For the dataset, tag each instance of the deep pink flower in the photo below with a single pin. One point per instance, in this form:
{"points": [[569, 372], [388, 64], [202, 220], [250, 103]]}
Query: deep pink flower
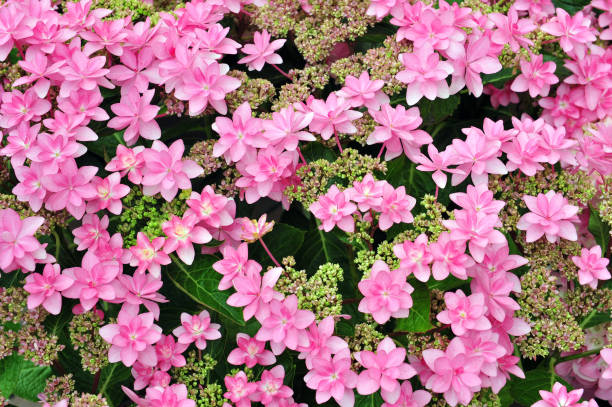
{"points": [[20, 108], [37, 65], [395, 206], [454, 372], [591, 266], [165, 170], [52, 150], [82, 72], [283, 323], [380, 8], [464, 313], [170, 353], [449, 257], [239, 389], [409, 398], [141, 289], [363, 92], [214, 210], [92, 281], [398, 131], [198, 329], [415, 257], [109, 192], [254, 292], [20, 142], [333, 377], [475, 228], [511, 30], [148, 255], [137, 114], [19, 248], [13, 27], [262, 51], [70, 188], [438, 162], [270, 388], [476, 157], [424, 74], [559, 397], [435, 29], [109, 34], [332, 115], [476, 60], [386, 293], [334, 209], [129, 161], [500, 97], [254, 229], [132, 73], [367, 193], [92, 231], [182, 233], [235, 263], [132, 337], [250, 352], [323, 343], [383, 369], [551, 215], [478, 199], [286, 129], [238, 136], [30, 187], [175, 395], [44, 289], [536, 76], [575, 32], [496, 287]]}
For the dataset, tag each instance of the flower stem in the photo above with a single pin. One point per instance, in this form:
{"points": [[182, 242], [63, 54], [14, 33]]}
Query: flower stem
{"points": [[381, 150], [96, 381], [302, 156], [579, 355], [159, 116], [269, 253], [285, 74], [338, 140]]}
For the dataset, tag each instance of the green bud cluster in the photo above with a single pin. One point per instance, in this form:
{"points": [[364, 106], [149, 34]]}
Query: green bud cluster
{"points": [[84, 335]]}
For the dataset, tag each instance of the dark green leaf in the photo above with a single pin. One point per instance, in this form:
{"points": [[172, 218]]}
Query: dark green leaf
{"points": [[320, 248], [22, 378], [600, 230], [373, 400], [526, 391], [500, 78], [571, 6], [200, 282], [111, 379], [449, 283], [419, 318], [401, 171], [284, 240], [595, 318], [10, 367], [434, 111]]}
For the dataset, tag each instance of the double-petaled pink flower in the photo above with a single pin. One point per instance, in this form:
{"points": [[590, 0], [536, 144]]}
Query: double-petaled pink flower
{"points": [[551, 215], [45, 288], [262, 51], [591, 266], [198, 329], [464, 313], [19, 248], [334, 209]]}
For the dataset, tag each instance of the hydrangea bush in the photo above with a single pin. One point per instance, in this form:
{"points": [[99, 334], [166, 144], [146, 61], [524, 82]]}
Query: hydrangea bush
{"points": [[289, 203]]}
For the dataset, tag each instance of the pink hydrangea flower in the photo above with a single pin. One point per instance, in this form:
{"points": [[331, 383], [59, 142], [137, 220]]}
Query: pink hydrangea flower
{"points": [[332, 116], [262, 51], [438, 162], [476, 60], [536, 76], [82, 72], [70, 188], [464, 313], [109, 192], [333, 377], [235, 263], [363, 92], [476, 157], [386, 293], [511, 30], [92, 231], [250, 352], [500, 97], [19, 248], [454, 372], [254, 229], [395, 206], [380, 8], [496, 288], [198, 329], [449, 257], [270, 388], [165, 170], [132, 337], [169, 353], [606, 355], [213, 210], [323, 343], [591, 266], [254, 292], [181, 234], [20, 143], [141, 289], [334, 209], [367, 193], [132, 74], [559, 397], [383, 369], [415, 257], [575, 31], [239, 389], [283, 323], [128, 161], [148, 255], [17, 108], [238, 136], [551, 215], [286, 129], [45, 288], [136, 115], [175, 395], [409, 398], [424, 74]]}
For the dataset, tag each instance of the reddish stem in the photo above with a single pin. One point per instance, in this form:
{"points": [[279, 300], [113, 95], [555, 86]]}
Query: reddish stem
{"points": [[285, 74], [269, 253], [381, 150], [159, 116], [302, 156], [436, 197], [337, 140], [246, 12], [550, 41]]}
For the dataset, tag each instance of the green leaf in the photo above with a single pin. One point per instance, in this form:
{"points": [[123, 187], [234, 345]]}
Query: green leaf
{"points": [[571, 6], [594, 319], [600, 230], [434, 111], [401, 171], [200, 282], [526, 391], [449, 283], [22, 378], [111, 379], [419, 318], [373, 400], [284, 240], [500, 78], [319, 248]]}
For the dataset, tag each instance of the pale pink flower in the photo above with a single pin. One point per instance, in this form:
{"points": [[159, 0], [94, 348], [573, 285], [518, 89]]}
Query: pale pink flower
{"points": [[148, 255], [182, 233], [606, 355], [262, 51], [214, 41], [409, 398], [323, 343], [478, 199], [380, 8], [166, 171], [551, 215], [496, 287], [30, 187], [206, 85], [13, 27], [92, 281], [524, 153], [283, 323], [449, 257], [575, 31], [19, 248], [398, 131], [45, 288], [175, 395], [559, 397], [395, 206], [170, 353], [106, 34], [454, 372], [383, 369], [592, 72], [92, 231], [537, 9], [511, 30], [464, 313], [132, 337], [128, 161], [591, 266], [332, 116], [334, 209], [415, 257], [438, 162], [109, 192], [468, 67], [363, 92], [475, 228], [536, 76], [198, 329], [386, 293], [250, 352], [424, 74], [136, 115], [141, 289], [239, 389], [254, 292], [270, 388], [70, 188], [132, 73], [214, 210], [437, 30], [20, 108], [235, 263], [286, 129], [500, 97], [238, 136], [82, 72], [476, 157], [254, 229], [333, 377], [558, 146], [367, 193]]}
